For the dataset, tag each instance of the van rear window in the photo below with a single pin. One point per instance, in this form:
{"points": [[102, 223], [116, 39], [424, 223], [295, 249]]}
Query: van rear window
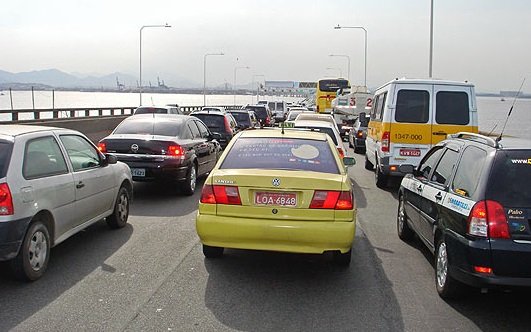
{"points": [[281, 153], [510, 179], [412, 106], [452, 108]]}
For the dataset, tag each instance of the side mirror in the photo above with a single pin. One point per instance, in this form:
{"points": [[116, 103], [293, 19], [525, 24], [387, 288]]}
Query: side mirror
{"points": [[406, 168], [349, 161], [109, 159], [216, 136]]}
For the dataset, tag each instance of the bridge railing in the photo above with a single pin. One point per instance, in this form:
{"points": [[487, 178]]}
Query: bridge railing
{"points": [[41, 115]]}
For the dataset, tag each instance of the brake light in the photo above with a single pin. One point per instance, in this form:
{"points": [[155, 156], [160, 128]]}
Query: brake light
{"points": [[267, 120], [228, 129], [175, 150], [102, 147], [341, 152], [338, 200], [6, 200], [360, 133], [228, 195], [385, 141], [483, 269], [487, 219]]}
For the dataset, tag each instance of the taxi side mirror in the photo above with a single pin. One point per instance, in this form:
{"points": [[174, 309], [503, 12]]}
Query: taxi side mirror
{"points": [[349, 161]]}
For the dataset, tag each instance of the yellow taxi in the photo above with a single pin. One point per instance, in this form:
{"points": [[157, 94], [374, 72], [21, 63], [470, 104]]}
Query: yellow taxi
{"points": [[279, 190]]}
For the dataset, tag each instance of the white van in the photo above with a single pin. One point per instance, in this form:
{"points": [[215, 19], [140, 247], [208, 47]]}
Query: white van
{"points": [[279, 109], [408, 116]]}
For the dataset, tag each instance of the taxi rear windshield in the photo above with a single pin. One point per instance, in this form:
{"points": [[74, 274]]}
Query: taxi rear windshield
{"points": [[510, 179], [281, 153]]}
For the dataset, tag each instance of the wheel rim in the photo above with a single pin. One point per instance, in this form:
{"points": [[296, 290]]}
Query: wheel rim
{"points": [[123, 207], [38, 250], [442, 265], [192, 178], [401, 215]]}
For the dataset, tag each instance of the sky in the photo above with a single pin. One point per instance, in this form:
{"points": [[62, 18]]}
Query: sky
{"points": [[486, 42]]}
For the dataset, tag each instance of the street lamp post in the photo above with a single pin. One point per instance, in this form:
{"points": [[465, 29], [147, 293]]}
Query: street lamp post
{"points": [[140, 55], [234, 82], [365, 31], [348, 63], [204, 74], [336, 68], [431, 39], [254, 76]]}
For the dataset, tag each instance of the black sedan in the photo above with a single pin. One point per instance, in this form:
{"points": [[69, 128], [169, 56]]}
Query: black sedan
{"points": [[164, 147]]}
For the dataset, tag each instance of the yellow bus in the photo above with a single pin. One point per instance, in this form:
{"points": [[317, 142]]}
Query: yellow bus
{"points": [[326, 90]]}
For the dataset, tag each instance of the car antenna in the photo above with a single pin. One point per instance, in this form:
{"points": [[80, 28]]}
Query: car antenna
{"points": [[510, 111]]}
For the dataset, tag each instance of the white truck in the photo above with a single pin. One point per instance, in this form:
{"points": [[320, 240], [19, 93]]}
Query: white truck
{"points": [[348, 105]]}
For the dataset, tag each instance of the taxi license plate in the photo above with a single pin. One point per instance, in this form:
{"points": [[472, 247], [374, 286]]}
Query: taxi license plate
{"points": [[269, 198], [410, 152], [140, 172]]}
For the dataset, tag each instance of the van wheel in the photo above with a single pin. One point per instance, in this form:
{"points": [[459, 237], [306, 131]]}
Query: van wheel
{"points": [[447, 287], [381, 178], [32, 259], [405, 233], [368, 165]]}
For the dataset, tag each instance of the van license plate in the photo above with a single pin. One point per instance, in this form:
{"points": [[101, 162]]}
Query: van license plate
{"points": [[410, 152], [269, 198], [140, 172]]}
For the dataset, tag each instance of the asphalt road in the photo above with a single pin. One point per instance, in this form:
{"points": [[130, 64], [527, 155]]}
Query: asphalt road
{"points": [[152, 275]]}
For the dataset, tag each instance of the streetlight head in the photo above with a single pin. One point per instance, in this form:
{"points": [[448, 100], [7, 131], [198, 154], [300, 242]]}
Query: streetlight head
{"points": [[337, 27]]}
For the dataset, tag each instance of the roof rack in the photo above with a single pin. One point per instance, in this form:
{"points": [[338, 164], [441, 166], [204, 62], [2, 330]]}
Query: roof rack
{"points": [[476, 137]]}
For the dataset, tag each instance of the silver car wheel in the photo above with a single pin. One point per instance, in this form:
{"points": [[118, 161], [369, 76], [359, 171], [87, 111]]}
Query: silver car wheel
{"points": [[442, 265], [38, 249], [401, 215], [123, 207], [193, 178]]}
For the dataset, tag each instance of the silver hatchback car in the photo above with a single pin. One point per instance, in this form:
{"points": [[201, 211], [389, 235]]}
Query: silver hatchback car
{"points": [[54, 183]]}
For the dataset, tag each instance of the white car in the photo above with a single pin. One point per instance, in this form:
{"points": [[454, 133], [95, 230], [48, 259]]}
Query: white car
{"points": [[325, 127], [312, 116], [54, 183]]}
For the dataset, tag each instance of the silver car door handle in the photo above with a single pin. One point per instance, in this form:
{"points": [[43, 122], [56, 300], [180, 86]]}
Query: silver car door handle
{"points": [[438, 196], [80, 185], [419, 188]]}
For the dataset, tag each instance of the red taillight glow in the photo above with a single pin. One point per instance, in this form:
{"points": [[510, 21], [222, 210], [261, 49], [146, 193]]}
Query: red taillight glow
{"points": [[359, 133], [228, 129], [267, 121], [483, 269], [175, 150], [229, 195], [102, 147], [338, 200], [487, 219], [341, 152], [6, 200], [385, 141]]}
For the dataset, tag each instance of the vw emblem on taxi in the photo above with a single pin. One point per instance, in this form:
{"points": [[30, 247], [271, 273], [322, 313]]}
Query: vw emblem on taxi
{"points": [[274, 211], [276, 182], [134, 148]]}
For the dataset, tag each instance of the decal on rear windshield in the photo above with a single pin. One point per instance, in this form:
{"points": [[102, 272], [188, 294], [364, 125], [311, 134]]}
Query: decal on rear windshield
{"points": [[521, 161]]}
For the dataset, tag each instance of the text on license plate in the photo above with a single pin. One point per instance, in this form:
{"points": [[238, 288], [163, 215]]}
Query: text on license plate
{"points": [[410, 152], [138, 172], [269, 198]]}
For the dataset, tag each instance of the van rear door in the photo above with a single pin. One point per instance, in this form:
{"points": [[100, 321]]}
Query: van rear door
{"points": [[455, 111]]}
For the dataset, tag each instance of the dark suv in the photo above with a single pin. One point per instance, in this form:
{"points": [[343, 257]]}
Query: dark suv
{"points": [[263, 114], [218, 122], [469, 201]]}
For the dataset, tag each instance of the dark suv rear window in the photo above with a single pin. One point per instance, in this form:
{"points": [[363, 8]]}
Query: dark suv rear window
{"points": [[241, 117], [260, 112], [5, 155], [510, 178], [215, 122], [281, 153], [452, 108], [412, 106]]}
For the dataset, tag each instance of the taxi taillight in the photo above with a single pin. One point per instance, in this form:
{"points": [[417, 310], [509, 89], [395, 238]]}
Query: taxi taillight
{"points": [[341, 153], [487, 219], [213, 194], [330, 199]]}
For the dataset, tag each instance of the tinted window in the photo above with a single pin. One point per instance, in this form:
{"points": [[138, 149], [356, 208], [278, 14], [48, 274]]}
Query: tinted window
{"points": [[412, 106], [242, 118], [332, 85], [429, 161], [292, 115], [149, 110], [452, 108], [82, 154], [216, 123], [510, 179], [445, 167], [145, 127], [326, 130], [43, 157], [194, 129], [202, 129], [469, 171], [281, 153], [260, 112], [5, 154]]}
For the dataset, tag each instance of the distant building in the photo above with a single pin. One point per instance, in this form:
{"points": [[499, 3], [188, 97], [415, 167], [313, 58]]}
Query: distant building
{"points": [[289, 87]]}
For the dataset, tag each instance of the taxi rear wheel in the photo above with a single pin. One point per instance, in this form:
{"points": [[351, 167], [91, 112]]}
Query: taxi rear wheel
{"points": [[212, 252], [342, 259], [380, 177], [447, 287], [368, 165], [405, 233]]}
